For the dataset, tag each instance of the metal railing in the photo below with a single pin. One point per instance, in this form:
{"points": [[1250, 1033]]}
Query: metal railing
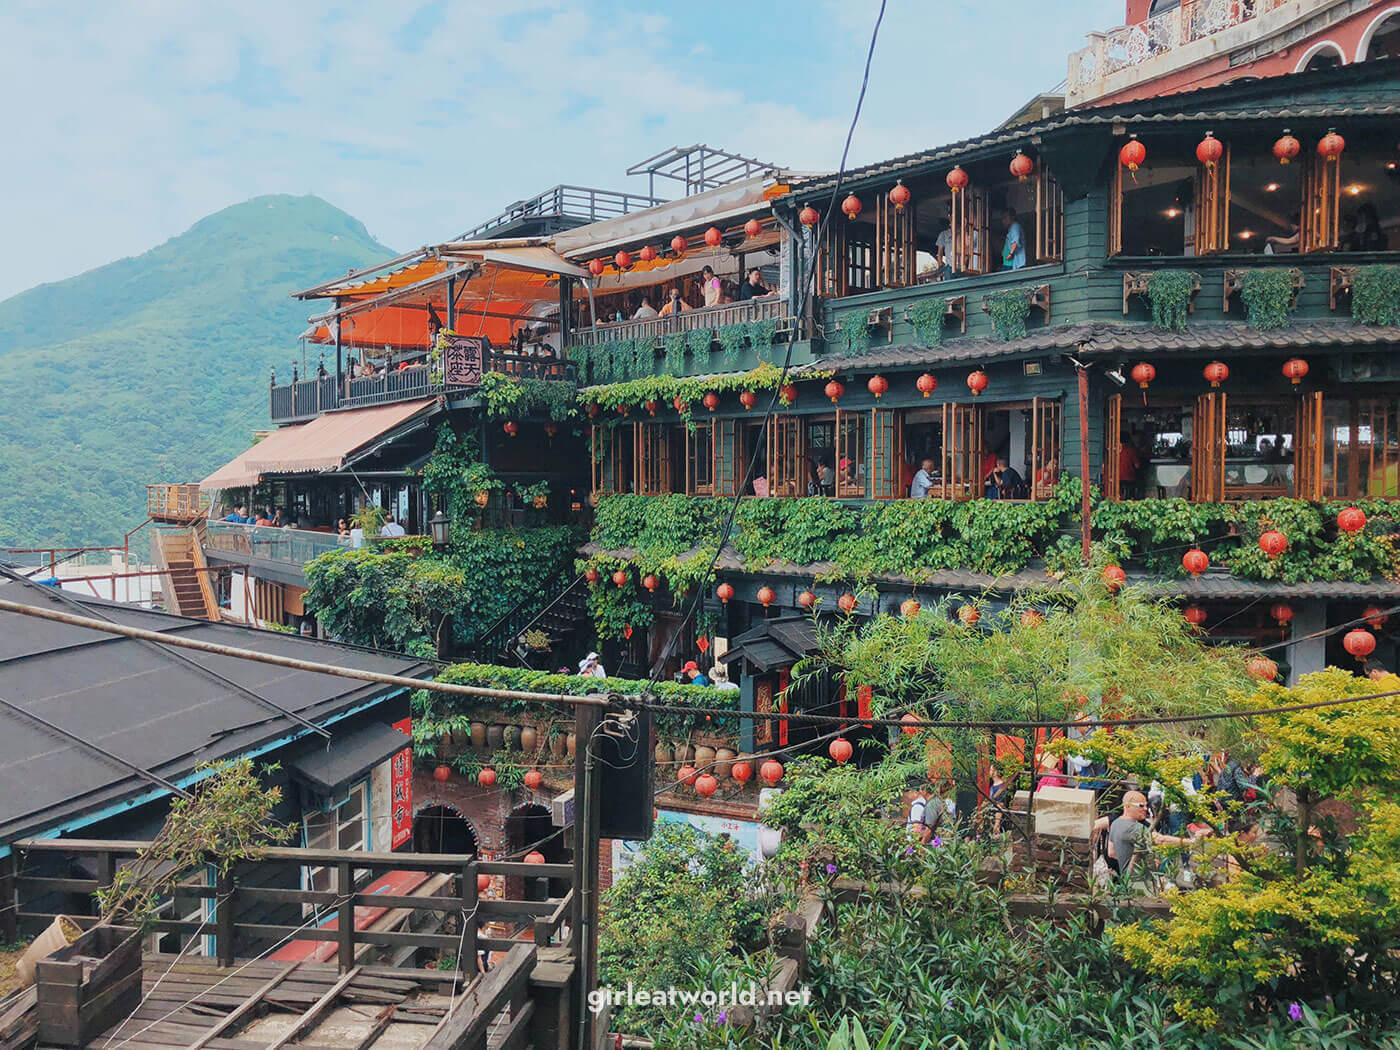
{"points": [[711, 317], [575, 202]]}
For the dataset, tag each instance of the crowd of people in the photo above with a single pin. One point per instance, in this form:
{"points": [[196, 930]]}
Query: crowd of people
{"points": [[705, 290]]}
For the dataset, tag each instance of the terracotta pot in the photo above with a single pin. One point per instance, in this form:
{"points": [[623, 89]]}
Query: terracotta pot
{"points": [[557, 745], [461, 738], [724, 762], [704, 756], [684, 752], [529, 739], [511, 737], [663, 755], [572, 744], [495, 737], [478, 735], [540, 502]]}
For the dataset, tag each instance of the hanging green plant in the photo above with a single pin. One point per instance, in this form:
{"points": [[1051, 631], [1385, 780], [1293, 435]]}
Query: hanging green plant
{"points": [[927, 316], [1375, 295], [855, 334], [1268, 297], [578, 354], [625, 359], [1008, 310], [602, 363], [698, 341], [761, 333], [673, 347], [1169, 292], [516, 397], [731, 340]]}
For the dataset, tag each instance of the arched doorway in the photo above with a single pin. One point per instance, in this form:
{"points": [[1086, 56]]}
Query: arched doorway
{"points": [[1382, 37], [441, 829], [1322, 55], [528, 828]]}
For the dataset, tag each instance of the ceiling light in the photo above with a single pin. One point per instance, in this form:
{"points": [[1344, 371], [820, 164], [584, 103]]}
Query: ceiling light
{"points": [[1271, 188], [1246, 234], [1355, 189], [1172, 213]]}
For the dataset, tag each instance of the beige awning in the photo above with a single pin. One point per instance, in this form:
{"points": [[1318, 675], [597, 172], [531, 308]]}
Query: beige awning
{"points": [[323, 444]]}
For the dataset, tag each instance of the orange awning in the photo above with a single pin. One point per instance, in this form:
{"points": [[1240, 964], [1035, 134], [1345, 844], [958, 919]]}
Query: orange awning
{"points": [[323, 444]]}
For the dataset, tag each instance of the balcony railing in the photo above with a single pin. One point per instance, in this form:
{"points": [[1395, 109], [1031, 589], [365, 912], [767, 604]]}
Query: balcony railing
{"points": [[292, 546], [712, 317], [308, 398], [577, 202], [175, 502]]}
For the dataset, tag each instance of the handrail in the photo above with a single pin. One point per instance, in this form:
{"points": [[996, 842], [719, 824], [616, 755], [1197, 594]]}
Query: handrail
{"points": [[491, 640]]}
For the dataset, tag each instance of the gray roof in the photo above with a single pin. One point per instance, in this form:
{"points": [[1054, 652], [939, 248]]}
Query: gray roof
{"points": [[138, 701]]}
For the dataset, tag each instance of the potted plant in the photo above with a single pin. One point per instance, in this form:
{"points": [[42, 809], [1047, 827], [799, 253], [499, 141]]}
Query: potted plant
{"points": [[370, 519], [536, 495]]}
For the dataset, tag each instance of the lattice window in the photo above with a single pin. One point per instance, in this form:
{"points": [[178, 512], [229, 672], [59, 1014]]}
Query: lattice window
{"points": [[1322, 189], [1049, 217], [972, 233], [962, 452], [1213, 206], [887, 454], [850, 455], [1112, 447], [785, 455], [1208, 446], [700, 459], [1046, 418]]}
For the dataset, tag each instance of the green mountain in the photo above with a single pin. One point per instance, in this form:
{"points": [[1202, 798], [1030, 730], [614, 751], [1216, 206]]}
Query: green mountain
{"points": [[155, 368]]}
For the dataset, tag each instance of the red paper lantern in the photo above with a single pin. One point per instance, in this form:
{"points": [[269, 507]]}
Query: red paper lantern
{"points": [[1133, 155], [651, 406], [620, 577], [851, 206], [1021, 166], [680, 404], [1114, 577], [596, 267], [533, 779], [1209, 150], [910, 729], [592, 575], [847, 603], [1353, 519], [710, 401], [787, 394], [724, 592], [551, 429], [622, 410], [977, 382], [1216, 373], [486, 777], [752, 228], [1374, 617], [1032, 618], [1143, 374], [442, 774], [878, 385], [900, 195], [1261, 667], [834, 390], [678, 244], [686, 774], [1273, 543], [1286, 148], [1195, 561], [808, 216], [623, 260], [1295, 368], [1359, 643], [969, 615], [534, 857], [741, 771], [1330, 146], [647, 254], [1282, 612], [748, 399], [706, 785], [910, 608], [592, 411], [483, 883], [841, 750], [956, 179], [766, 597], [650, 582], [511, 428], [806, 600], [713, 237], [1194, 615], [771, 771], [927, 384]]}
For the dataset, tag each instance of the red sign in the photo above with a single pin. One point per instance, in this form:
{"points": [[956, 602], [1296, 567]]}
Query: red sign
{"points": [[401, 785]]}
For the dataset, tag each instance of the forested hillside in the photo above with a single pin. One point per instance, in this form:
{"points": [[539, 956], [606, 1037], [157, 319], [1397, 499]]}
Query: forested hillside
{"points": [[155, 368]]}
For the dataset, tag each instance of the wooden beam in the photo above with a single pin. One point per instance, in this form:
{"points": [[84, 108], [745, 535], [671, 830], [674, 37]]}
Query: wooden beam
{"points": [[314, 1014], [381, 1023], [249, 1004]]}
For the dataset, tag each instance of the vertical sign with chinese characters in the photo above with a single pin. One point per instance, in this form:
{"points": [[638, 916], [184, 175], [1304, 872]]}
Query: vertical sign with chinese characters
{"points": [[401, 788], [463, 357]]}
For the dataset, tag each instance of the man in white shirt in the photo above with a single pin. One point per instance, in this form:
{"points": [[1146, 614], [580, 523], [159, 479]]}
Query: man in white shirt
{"points": [[943, 252], [392, 530], [645, 312], [923, 480]]}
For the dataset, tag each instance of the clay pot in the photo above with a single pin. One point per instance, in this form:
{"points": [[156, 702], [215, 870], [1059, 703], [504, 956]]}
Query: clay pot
{"points": [[529, 739], [557, 745], [684, 752], [495, 737], [511, 737], [724, 762], [704, 756], [663, 754], [461, 738], [540, 502], [572, 744], [478, 735]]}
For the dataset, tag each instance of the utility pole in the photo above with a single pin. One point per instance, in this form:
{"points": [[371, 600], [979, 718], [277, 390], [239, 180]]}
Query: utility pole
{"points": [[1084, 502], [587, 718]]}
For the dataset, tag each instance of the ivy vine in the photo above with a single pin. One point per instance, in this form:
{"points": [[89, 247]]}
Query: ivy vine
{"points": [[854, 333], [698, 341], [761, 335], [578, 354], [1169, 292], [521, 397], [731, 340], [664, 389], [1008, 310], [673, 347], [1268, 297], [927, 316], [1375, 295]]}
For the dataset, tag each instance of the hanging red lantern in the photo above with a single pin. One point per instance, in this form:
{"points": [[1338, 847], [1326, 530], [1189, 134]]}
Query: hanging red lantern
{"points": [[1133, 155], [969, 615], [752, 228], [806, 600], [442, 774], [1194, 615], [1261, 667], [911, 724], [1114, 577], [1359, 643], [1195, 561], [592, 575], [483, 883], [510, 428], [1374, 617], [1286, 148], [706, 785], [1021, 166], [686, 774], [680, 404], [1295, 368], [651, 406], [1281, 612], [847, 603], [956, 179], [1209, 150], [622, 410], [748, 399], [533, 779], [1273, 543], [534, 857], [808, 216], [927, 384], [486, 777], [1330, 146], [713, 237], [877, 385], [977, 382], [623, 260], [1353, 519], [647, 254], [1032, 618], [787, 394], [834, 390], [766, 597], [851, 206], [841, 750], [771, 771], [620, 577], [551, 429], [593, 411], [1216, 373], [710, 401], [910, 608], [679, 244], [724, 592], [900, 195], [741, 771], [596, 267], [1143, 374], [650, 582]]}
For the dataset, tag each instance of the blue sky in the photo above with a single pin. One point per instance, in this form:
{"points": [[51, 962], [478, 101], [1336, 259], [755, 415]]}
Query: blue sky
{"points": [[130, 120]]}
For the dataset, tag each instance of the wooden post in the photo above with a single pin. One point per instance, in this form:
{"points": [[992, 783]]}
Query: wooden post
{"points": [[345, 887], [586, 722], [466, 962], [9, 900], [223, 919], [1085, 509]]}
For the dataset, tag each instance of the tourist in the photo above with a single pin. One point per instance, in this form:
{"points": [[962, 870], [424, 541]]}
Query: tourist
{"points": [[1128, 466], [1047, 476], [342, 529], [996, 798], [753, 287], [1013, 252], [279, 520], [645, 312], [591, 667], [826, 478], [719, 676], [692, 671], [674, 304], [1369, 235], [391, 530], [1129, 834], [943, 251], [1050, 775], [238, 515], [1004, 482], [922, 484], [710, 285], [926, 811], [264, 517]]}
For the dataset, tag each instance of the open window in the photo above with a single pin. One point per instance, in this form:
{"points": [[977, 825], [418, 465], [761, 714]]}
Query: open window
{"points": [[887, 473], [1113, 448], [785, 461], [1173, 205], [961, 468], [1368, 195], [1047, 415], [700, 459], [658, 469], [851, 445], [613, 458], [1361, 448]]}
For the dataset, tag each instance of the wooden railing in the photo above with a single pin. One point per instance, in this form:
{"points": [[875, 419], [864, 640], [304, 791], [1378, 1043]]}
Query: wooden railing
{"points": [[712, 317], [175, 502]]}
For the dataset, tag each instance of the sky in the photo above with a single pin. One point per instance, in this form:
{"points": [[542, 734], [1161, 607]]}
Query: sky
{"points": [[128, 121]]}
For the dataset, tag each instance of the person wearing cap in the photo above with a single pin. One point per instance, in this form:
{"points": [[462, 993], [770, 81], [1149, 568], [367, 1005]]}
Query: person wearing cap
{"points": [[692, 671]]}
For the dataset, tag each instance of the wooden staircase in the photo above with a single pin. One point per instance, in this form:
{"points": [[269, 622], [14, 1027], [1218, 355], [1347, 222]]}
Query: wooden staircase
{"points": [[186, 586]]}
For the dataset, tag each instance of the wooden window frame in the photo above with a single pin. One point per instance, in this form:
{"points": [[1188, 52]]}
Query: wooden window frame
{"points": [[694, 485], [727, 472], [1049, 217], [896, 250], [1047, 441], [1208, 448], [970, 212], [1320, 230], [785, 433], [652, 458], [886, 453], [963, 429], [1308, 447], [845, 446], [1213, 205]]}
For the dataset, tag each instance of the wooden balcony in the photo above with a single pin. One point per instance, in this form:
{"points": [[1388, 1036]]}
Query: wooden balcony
{"points": [[712, 317], [177, 503]]}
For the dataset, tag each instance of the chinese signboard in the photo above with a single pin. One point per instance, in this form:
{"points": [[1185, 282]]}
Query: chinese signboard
{"points": [[462, 359], [401, 790], [743, 833]]}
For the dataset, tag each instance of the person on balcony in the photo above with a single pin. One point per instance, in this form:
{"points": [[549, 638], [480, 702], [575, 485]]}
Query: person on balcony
{"points": [[646, 311], [943, 251], [1004, 481], [693, 674], [674, 305], [392, 530], [922, 484], [238, 515], [1013, 252], [753, 287], [710, 285]]}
